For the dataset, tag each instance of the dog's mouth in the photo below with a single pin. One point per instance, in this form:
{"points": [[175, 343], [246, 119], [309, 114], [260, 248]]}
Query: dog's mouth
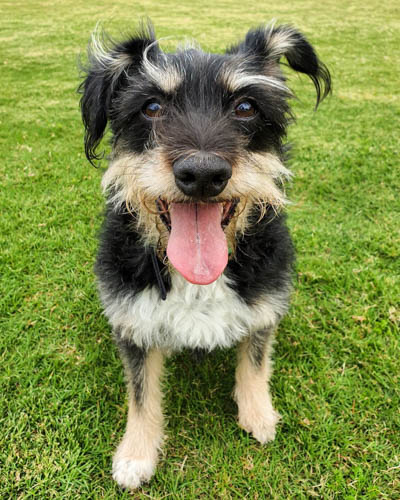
{"points": [[197, 245], [228, 209]]}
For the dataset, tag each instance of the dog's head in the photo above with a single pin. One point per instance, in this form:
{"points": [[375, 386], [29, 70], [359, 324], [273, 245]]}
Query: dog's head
{"points": [[197, 137]]}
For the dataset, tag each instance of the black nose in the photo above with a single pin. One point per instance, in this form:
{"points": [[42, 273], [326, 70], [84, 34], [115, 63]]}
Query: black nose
{"points": [[202, 175]]}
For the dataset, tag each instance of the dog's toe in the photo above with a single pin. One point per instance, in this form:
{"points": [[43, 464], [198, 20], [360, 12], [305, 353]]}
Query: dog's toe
{"points": [[262, 425], [130, 473]]}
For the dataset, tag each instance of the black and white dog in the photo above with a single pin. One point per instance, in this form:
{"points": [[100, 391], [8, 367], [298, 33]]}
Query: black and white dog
{"points": [[194, 251]]}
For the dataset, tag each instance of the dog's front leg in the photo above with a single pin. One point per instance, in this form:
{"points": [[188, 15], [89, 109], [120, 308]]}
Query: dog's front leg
{"points": [[256, 413], [136, 457]]}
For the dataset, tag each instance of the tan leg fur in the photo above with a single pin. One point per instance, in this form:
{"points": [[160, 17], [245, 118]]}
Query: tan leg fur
{"points": [[136, 457], [256, 413]]}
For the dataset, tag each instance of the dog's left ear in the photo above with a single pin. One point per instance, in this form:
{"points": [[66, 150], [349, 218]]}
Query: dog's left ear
{"points": [[269, 44]]}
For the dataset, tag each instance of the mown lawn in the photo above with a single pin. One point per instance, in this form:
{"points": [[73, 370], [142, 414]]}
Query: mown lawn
{"points": [[336, 380]]}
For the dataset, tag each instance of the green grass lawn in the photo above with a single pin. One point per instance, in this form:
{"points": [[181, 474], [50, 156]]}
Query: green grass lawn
{"points": [[336, 379]]}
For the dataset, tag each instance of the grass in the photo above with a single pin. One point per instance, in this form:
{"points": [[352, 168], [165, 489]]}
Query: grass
{"points": [[336, 379]]}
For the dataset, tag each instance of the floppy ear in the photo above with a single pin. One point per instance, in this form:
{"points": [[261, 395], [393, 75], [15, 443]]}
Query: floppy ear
{"points": [[107, 72], [268, 44]]}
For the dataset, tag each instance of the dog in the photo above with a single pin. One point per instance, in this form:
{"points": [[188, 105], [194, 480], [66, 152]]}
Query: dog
{"points": [[194, 251]]}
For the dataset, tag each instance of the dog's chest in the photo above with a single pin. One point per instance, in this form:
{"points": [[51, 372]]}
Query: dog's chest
{"points": [[192, 316]]}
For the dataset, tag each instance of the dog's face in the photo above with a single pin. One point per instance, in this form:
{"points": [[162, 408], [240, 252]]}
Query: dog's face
{"points": [[197, 137]]}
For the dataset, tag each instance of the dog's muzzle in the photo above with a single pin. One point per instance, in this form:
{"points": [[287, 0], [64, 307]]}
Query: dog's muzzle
{"points": [[202, 175]]}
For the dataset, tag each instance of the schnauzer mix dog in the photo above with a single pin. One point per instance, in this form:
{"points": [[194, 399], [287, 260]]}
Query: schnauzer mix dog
{"points": [[195, 252]]}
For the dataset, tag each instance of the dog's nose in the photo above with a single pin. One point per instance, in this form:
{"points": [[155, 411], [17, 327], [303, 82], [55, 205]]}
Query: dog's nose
{"points": [[202, 175]]}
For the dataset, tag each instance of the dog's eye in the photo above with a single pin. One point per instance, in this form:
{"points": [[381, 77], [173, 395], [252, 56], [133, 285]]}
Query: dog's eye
{"points": [[152, 109], [245, 110]]}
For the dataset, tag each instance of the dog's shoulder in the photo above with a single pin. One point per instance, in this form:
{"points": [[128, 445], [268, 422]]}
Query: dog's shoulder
{"points": [[264, 258], [124, 262]]}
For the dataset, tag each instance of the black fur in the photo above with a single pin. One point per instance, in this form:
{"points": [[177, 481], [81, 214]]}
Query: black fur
{"points": [[258, 341], [134, 358], [123, 262], [263, 259]]}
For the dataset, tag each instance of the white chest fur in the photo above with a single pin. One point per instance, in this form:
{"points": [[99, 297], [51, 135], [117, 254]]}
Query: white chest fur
{"points": [[192, 316]]}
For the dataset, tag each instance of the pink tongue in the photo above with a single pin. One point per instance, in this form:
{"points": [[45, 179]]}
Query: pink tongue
{"points": [[197, 245]]}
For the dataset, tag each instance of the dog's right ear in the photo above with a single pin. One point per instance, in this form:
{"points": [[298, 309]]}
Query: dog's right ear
{"points": [[109, 66]]}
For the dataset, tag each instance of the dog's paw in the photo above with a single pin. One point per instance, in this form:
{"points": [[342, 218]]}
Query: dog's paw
{"points": [[260, 423], [130, 473]]}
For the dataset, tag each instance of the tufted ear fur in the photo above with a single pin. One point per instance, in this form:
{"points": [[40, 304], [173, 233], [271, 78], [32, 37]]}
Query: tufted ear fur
{"points": [[109, 66], [269, 43]]}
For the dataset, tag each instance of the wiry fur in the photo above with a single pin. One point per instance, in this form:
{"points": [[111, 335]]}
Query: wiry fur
{"points": [[203, 127]]}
